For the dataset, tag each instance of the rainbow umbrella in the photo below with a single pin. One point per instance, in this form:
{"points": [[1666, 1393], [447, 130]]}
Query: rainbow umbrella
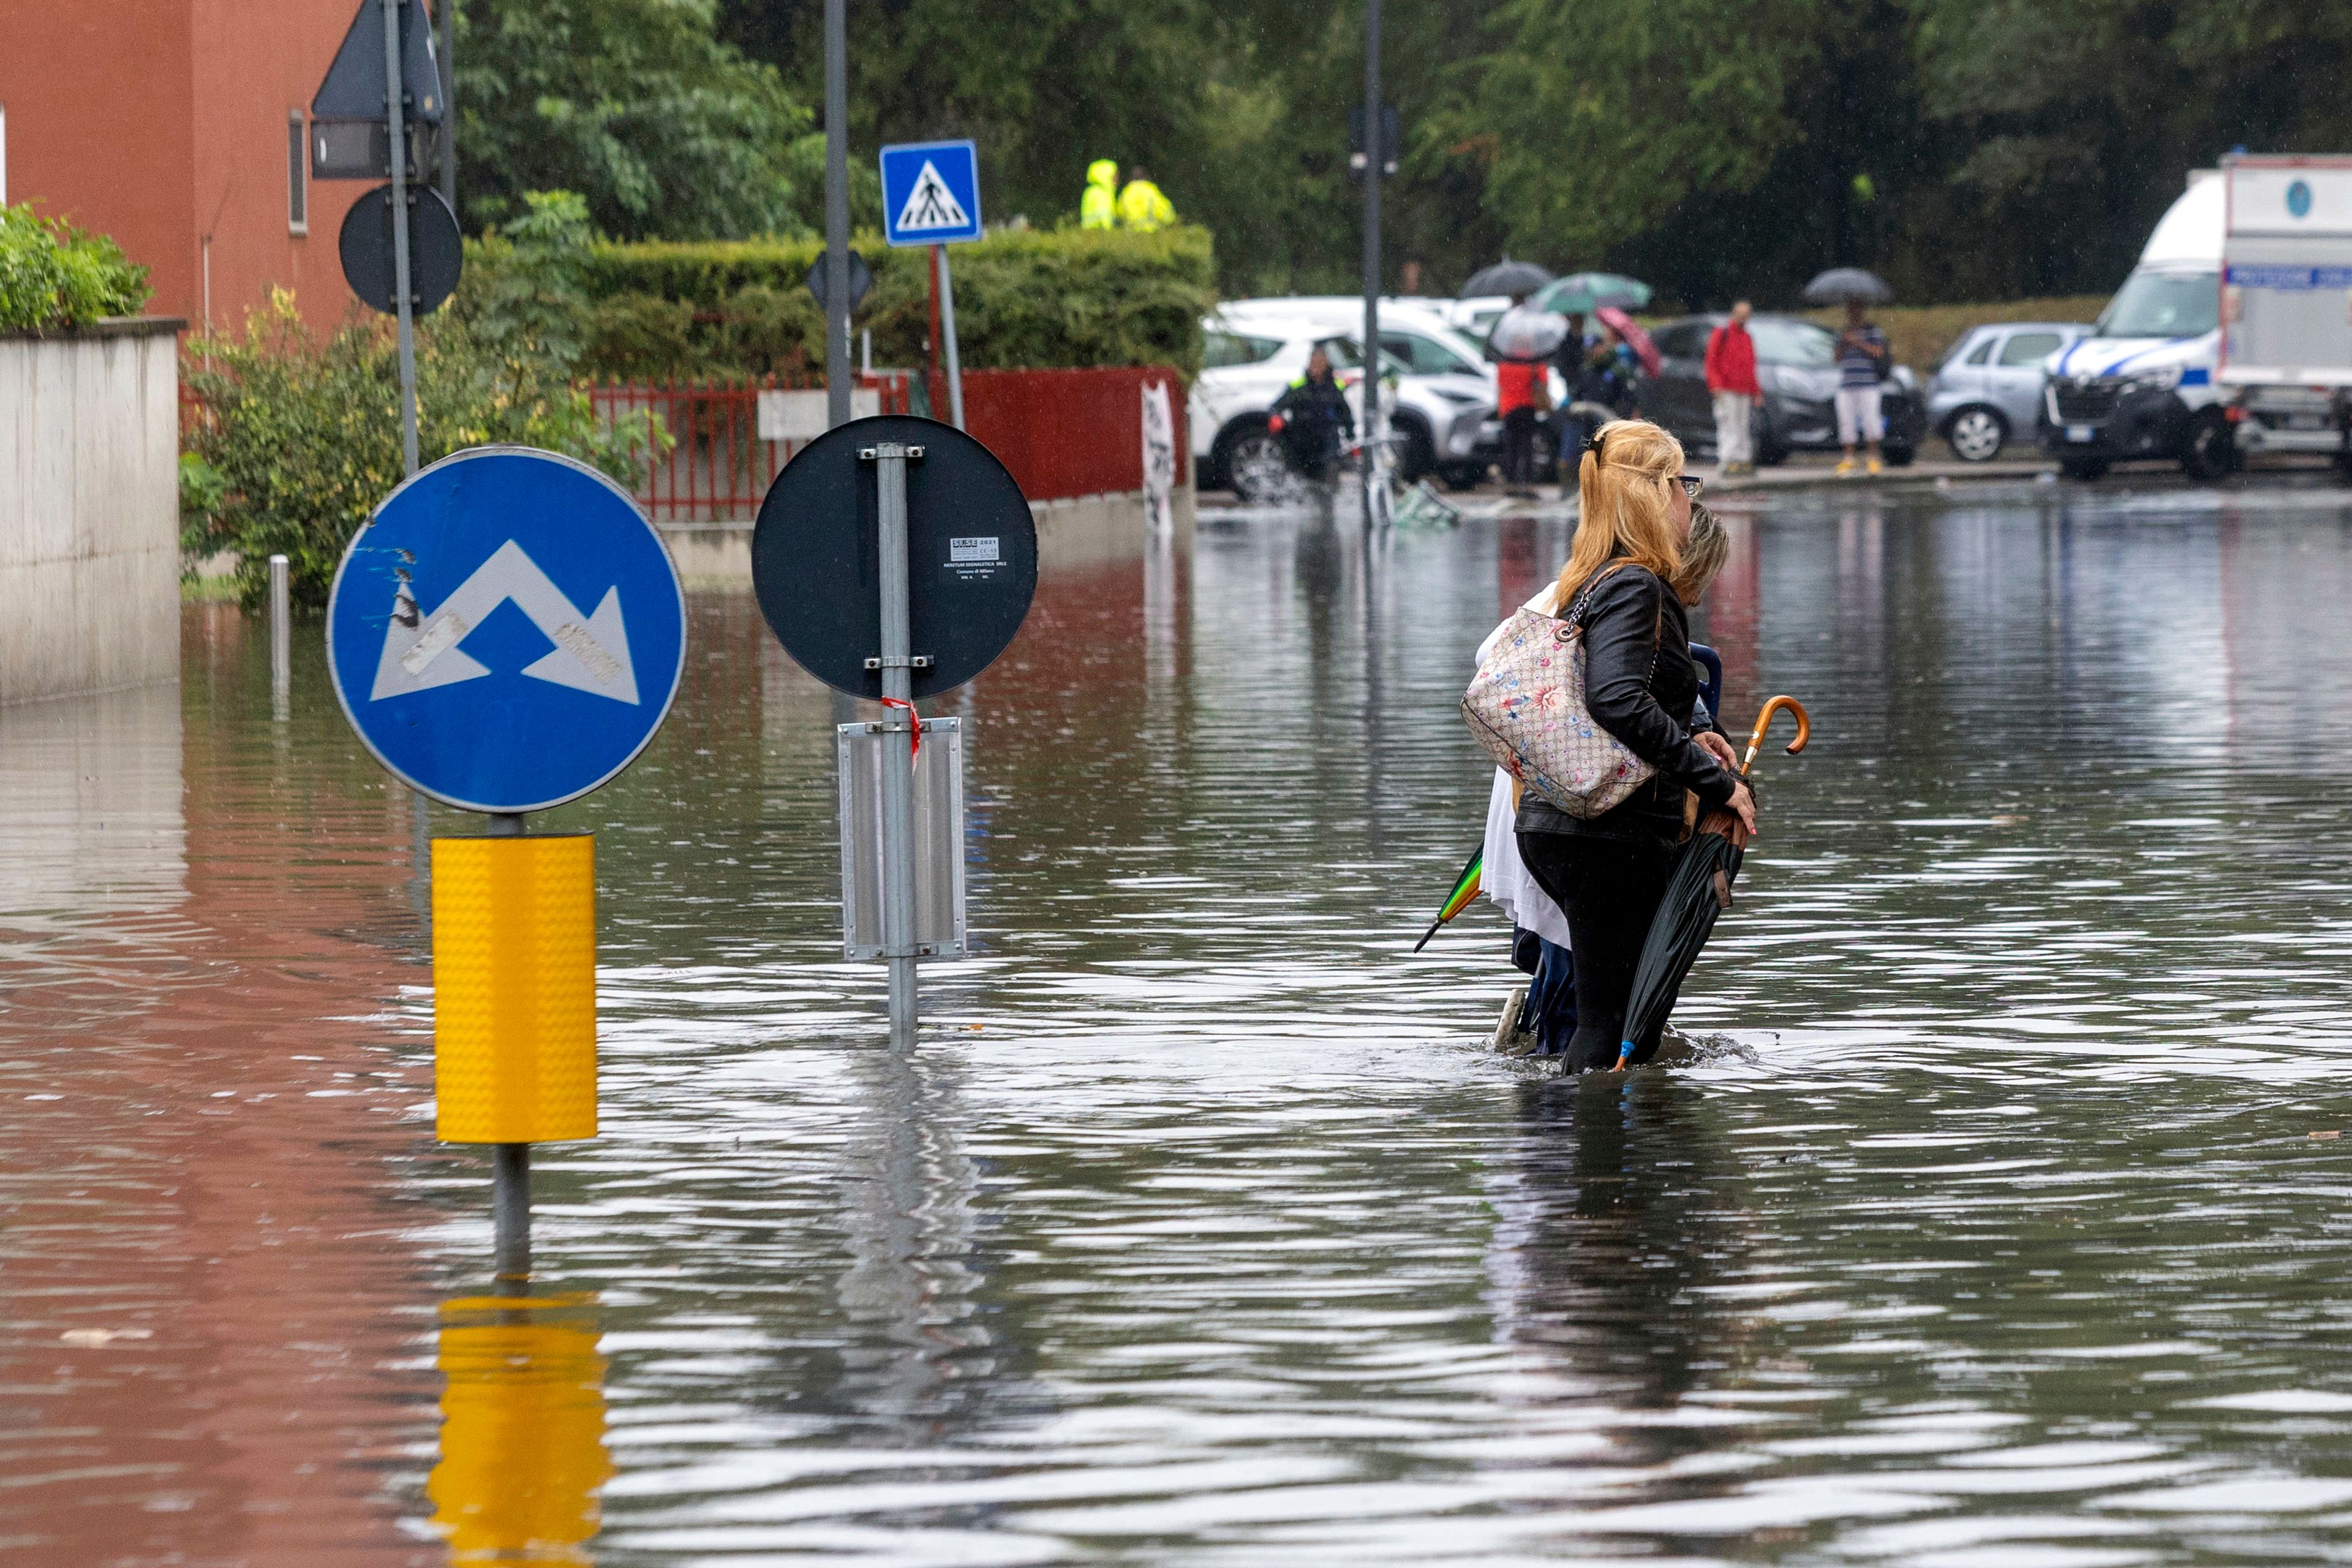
{"points": [[1465, 889]]}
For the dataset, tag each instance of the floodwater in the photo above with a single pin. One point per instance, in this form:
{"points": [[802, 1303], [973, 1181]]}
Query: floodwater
{"points": [[1997, 1215]]}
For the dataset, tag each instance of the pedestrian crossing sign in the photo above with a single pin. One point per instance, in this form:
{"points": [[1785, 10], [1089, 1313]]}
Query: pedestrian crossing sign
{"points": [[930, 193]]}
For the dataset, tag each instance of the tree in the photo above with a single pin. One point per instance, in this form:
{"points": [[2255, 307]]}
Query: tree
{"points": [[669, 132]]}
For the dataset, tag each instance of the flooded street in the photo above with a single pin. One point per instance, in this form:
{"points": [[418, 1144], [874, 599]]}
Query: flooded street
{"points": [[1997, 1213]]}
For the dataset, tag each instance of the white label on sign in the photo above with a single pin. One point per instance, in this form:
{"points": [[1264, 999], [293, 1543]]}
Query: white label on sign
{"points": [[931, 205], [963, 552], [800, 416]]}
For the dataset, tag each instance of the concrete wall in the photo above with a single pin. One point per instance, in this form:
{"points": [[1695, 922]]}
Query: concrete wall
{"points": [[1084, 531], [90, 509]]}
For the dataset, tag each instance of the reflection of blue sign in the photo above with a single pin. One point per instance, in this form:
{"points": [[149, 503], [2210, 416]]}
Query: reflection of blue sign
{"points": [[2298, 198], [930, 193], [507, 633]]}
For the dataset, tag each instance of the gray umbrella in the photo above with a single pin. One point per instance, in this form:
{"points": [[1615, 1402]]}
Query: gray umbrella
{"points": [[1506, 277], [1525, 335], [1848, 286]]}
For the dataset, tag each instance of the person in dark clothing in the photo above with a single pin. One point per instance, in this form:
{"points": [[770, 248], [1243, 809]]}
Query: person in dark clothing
{"points": [[1309, 416], [1598, 388], [1627, 585]]}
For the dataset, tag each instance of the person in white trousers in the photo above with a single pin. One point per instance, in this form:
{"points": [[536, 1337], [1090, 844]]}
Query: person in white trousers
{"points": [[1731, 383]]}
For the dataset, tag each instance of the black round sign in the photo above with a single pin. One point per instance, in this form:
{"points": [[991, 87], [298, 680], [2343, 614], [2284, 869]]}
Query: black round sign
{"points": [[435, 251], [971, 556]]}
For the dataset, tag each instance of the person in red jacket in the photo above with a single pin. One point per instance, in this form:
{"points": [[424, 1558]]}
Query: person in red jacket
{"points": [[1731, 380]]}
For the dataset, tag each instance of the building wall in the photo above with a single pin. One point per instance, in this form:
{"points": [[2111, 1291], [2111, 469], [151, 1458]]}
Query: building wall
{"points": [[89, 510], [159, 121]]}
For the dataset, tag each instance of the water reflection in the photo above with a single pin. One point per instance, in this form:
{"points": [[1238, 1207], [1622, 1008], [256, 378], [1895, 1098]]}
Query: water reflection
{"points": [[522, 1429]]}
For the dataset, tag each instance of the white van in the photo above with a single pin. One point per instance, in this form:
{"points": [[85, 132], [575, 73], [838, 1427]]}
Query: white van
{"points": [[2142, 385], [2158, 377]]}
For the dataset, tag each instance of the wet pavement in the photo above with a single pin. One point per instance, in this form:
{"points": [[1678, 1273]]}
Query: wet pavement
{"points": [[1997, 1214]]}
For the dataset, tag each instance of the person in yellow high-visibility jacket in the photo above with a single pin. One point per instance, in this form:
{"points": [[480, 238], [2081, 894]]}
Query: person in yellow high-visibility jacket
{"points": [[1143, 207], [1098, 208]]}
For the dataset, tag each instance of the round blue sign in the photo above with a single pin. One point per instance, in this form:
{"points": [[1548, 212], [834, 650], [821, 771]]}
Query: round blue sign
{"points": [[2298, 198], [507, 632]]}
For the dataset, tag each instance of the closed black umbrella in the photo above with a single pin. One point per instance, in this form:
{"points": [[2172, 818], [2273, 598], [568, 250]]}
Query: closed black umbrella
{"points": [[1506, 277], [1848, 286], [1699, 891]]}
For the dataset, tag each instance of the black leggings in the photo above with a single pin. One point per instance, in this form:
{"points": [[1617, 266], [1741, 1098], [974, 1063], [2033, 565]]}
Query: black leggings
{"points": [[1520, 446], [1609, 890]]}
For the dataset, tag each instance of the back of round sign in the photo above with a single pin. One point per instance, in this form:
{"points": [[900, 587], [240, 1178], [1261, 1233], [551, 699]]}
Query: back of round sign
{"points": [[971, 556]]}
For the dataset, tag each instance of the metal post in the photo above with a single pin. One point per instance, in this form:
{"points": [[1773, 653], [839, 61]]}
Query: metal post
{"points": [[836, 213], [946, 331], [449, 103], [898, 762], [511, 1163], [395, 114], [281, 630], [1376, 157]]}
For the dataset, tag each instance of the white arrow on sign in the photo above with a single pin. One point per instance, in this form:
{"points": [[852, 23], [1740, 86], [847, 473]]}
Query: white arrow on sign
{"points": [[421, 651], [931, 205]]}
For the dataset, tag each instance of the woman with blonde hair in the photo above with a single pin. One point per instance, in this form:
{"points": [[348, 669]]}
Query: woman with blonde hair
{"points": [[1631, 577]]}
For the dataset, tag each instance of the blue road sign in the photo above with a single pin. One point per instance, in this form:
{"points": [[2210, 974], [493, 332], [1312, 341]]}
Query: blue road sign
{"points": [[507, 632], [930, 193]]}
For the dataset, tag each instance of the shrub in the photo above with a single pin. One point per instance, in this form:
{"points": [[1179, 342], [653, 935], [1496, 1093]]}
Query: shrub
{"points": [[54, 275], [1024, 298], [298, 439]]}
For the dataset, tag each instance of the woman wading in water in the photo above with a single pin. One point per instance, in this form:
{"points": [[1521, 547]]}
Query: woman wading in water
{"points": [[1628, 584]]}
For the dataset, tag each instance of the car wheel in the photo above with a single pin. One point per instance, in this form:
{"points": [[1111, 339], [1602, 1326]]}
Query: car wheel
{"points": [[1976, 435], [2212, 452], [2085, 468], [1416, 454], [1250, 456], [1463, 476]]}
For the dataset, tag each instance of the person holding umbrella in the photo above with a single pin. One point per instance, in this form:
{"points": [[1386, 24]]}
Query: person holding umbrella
{"points": [[1628, 585], [1864, 359], [1521, 339]]}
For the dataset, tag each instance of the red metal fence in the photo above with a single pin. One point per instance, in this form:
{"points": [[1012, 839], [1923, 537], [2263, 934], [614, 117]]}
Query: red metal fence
{"points": [[1067, 432], [720, 467]]}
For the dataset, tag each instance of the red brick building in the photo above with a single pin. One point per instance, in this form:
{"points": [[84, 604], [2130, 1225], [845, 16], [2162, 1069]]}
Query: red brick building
{"points": [[178, 127]]}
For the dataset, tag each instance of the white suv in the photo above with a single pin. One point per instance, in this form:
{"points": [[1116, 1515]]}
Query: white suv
{"points": [[1441, 390]]}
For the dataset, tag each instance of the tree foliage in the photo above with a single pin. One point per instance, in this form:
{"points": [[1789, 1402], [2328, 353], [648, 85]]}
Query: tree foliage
{"points": [[54, 275], [637, 106], [298, 438]]}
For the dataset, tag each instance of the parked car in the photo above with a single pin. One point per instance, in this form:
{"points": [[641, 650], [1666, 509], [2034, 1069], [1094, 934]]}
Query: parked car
{"points": [[1443, 392], [1796, 365], [1988, 391]]}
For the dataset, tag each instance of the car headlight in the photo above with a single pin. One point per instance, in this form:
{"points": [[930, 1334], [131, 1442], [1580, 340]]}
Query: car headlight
{"points": [[2163, 378]]}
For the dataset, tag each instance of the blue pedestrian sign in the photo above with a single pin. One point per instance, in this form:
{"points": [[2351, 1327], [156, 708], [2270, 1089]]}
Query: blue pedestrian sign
{"points": [[930, 193], [507, 632]]}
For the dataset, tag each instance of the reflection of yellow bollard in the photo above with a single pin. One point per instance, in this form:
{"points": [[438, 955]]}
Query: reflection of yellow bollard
{"points": [[514, 976], [522, 1429]]}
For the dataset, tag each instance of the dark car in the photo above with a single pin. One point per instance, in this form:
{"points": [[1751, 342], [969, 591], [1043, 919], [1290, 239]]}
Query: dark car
{"points": [[1796, 365]]}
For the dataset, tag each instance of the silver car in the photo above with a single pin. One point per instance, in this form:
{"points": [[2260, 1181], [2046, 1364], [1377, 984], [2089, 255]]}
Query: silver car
{"points": [[1988, 391]]}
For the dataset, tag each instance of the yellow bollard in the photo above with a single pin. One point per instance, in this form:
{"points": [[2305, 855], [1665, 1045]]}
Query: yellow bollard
{"points": [[514, 974], [522, 1429]]}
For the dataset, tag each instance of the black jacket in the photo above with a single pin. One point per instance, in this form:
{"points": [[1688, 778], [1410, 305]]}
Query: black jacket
{"points": [[1321, 404], [1638, 685]]}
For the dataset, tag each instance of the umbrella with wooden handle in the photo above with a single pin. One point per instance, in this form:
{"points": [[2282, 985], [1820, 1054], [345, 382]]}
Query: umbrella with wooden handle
{"points": [[1699, 891]]}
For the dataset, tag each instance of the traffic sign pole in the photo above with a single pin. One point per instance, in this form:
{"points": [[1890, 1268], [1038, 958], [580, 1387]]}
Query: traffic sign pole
{"points": [[1378, 154], [948, 334], [836, 213], [511, 1163], [890, 460], [393, 114]]}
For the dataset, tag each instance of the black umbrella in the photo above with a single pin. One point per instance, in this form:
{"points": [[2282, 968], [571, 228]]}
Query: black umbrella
{"points": [[1848, 286], [1506, 277], [1699, 891]]}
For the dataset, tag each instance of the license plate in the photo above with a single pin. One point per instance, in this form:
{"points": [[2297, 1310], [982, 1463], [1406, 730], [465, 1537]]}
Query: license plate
{"points": [[2307, 422], [2080, 433]]}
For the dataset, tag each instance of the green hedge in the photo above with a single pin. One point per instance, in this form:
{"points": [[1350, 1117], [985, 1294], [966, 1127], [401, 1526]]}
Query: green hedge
{"points": [[54, 275], [1024, 298]]}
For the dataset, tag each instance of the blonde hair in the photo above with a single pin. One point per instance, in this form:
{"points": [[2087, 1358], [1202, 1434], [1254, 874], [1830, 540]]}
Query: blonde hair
{"points": [[1624, 484], [1703, 554]]}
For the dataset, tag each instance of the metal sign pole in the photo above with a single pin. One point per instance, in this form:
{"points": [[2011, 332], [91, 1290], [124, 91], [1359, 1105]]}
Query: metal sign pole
{"points": [[836, 213], [511, 1163], [1375, 159], [898, 766], [403, 295], [948, 332]]}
